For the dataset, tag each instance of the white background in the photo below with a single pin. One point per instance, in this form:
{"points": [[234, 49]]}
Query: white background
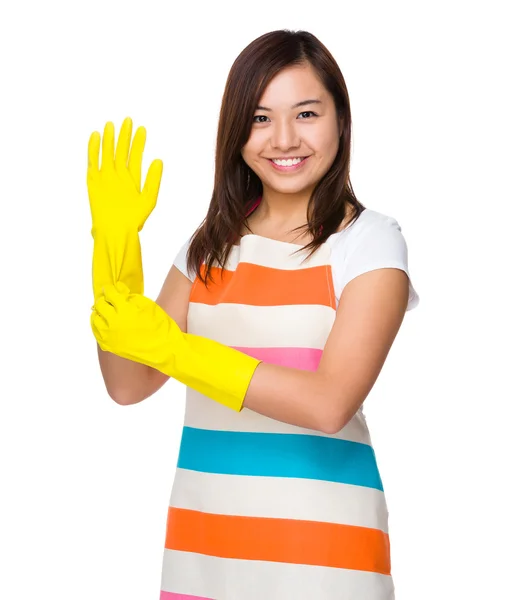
{"points": [[85, 482]]}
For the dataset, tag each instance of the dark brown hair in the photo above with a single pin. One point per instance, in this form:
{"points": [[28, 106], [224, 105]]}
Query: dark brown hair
{"points": [[236, 186]]}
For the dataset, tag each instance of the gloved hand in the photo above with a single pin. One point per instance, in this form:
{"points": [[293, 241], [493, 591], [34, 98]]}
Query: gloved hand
{"points": [[134, 327], [119, 208]]}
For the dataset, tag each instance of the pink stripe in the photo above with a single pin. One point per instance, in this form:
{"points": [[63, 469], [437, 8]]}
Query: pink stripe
{"points": [[306, 359], [173, 596]]}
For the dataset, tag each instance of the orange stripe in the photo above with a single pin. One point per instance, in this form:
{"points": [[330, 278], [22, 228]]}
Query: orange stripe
{"points": [[279, 540], [265, 286]]}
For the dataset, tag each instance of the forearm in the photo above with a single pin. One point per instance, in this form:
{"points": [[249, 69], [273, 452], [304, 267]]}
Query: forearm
{"points": [[128, 382], [135, 327], [301, 398]]}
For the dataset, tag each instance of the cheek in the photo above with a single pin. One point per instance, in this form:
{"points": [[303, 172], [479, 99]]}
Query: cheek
{"points": [[254, 144], [251, 153], [326, 143]]}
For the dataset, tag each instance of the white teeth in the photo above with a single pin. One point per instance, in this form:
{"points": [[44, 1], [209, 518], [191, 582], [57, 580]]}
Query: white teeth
{"points": [[287, 163]]}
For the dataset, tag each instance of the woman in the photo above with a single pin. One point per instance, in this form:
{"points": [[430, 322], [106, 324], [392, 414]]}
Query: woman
{"points": [[278, 315]]}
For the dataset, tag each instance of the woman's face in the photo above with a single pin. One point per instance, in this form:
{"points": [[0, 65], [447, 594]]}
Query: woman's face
{"points": [[296, 122]]}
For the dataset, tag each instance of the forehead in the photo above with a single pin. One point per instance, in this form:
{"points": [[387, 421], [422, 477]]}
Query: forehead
{"points": [[292, 85]]}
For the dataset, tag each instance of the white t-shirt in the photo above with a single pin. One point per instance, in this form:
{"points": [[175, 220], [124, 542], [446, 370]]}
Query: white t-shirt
{"points": [[374, 241]]}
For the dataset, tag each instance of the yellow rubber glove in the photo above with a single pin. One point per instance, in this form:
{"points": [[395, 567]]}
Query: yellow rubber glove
{"points": [[119, 208], [134, 327]]}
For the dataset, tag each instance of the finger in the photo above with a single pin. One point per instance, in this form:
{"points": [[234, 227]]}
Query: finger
{"points": [[97, 325], [114, 296], [105, 311], [139, 301], [152, 183], [122, 288], [136, 154], [108, 146], [125, 136], [93, 153]]}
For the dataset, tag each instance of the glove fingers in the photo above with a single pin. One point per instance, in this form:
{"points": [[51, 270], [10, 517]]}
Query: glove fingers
{"points": [[125, 136], [114, 296], [97, 325], [136, 153], [152, 183], [122, 288], [108, 146], [105, 311], [93, 154], [139, 301]]}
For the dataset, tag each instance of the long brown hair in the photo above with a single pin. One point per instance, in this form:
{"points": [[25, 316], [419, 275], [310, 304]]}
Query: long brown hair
{"points": [[236, 186]]}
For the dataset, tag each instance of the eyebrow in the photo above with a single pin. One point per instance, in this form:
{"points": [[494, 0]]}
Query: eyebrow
{"points": [[302, 103]]}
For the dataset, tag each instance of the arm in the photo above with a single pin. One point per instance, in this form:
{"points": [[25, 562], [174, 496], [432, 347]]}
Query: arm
{"points": [[130, 382], [369, 316], [119, 209], [370, 313]]}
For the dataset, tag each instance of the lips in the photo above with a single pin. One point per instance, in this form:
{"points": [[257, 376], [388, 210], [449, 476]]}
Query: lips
{"points": [[292, 160], [289, 168]]}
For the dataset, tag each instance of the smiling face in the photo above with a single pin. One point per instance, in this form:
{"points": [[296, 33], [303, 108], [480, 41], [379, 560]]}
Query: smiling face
{"points": [[295, 133]]}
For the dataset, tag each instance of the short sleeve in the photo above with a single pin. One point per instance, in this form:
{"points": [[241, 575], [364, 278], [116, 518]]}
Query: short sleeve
{"points": [[180, 261], [379, 245]]}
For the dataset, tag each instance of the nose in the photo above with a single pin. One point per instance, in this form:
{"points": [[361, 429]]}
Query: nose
{"points": [[284, 136]]}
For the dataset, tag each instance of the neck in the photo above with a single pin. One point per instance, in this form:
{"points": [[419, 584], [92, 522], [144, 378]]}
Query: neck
{"points": [[282, 210]]}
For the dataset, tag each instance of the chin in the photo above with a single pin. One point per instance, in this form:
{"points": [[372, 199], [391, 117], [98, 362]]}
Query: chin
{"points": [[290, 187]]}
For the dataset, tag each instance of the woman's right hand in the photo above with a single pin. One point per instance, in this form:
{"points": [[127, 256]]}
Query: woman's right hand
{"points": [[115, 197]]}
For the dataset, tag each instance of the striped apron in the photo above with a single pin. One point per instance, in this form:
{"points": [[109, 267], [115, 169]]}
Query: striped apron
{"points": [[260, 509]]}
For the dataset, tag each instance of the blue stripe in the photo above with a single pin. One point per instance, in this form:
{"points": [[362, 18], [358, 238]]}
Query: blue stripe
{"points": [[279, 455]]}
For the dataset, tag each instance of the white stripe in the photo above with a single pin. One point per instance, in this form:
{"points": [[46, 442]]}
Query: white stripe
{"points": [[235, 579], [276, 254], [265, 252], [280, 498], [203, 413], [297, 326]]}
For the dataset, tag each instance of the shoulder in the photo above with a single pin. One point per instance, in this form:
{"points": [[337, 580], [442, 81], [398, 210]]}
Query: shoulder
{"points": [[374, 241], [368, 220], [180, 261], [371, 231]]}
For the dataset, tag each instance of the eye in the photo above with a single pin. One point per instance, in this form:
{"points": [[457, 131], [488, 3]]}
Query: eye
{"points": [[257, 117], [307, 112]]}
